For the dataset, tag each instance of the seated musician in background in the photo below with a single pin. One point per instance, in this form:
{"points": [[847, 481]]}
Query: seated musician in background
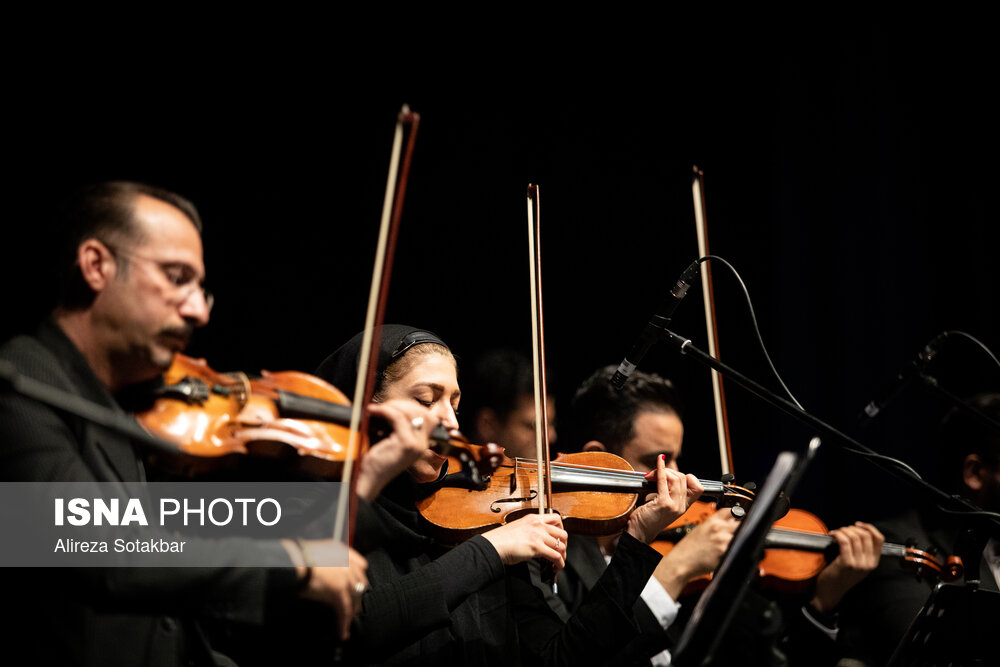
{"points": [[641, 423], [501, 402], [131, 297], [878, 612], [474, 604]]}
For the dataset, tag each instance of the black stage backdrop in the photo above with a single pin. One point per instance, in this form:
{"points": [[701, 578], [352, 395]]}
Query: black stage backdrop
{"points": [[850, 179]]}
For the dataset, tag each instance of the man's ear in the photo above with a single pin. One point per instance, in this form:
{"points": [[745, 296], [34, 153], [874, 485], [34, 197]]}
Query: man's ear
{"points": [[973, 472], [97, 264], [594, 446]]}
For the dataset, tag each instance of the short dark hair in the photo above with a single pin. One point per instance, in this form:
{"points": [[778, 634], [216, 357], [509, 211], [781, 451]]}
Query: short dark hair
{"points": [[606, 414], [498, 379], [103, 211], [962, 433]]}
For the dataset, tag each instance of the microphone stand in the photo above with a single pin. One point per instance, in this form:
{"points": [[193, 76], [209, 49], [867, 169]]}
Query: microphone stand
{"points": [[840, 439], [932, 384], [959, 601]]}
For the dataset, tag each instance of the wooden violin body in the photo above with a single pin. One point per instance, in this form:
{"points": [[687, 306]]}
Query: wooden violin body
{"points": [[796, 550], [293, 419], [798, 547], [512, 492], [217, 418], [594, 492]]}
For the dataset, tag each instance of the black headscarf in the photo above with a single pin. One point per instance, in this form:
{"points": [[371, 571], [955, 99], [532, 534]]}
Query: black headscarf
{"points": [[341, 368]]}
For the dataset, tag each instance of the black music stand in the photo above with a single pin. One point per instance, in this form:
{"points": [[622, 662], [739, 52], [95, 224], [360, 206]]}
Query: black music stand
{"points": [[727, 593], [957, 626]]}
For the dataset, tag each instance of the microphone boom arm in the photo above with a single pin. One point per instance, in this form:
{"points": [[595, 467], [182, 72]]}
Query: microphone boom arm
{"points": [[840, 439]]}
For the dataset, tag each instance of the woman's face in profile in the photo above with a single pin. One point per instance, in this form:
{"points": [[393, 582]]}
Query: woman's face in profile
{"points": [[432, 382]]}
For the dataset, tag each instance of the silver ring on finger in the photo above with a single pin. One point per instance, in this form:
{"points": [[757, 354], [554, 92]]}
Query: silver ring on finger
{"points": [[360, 588], [417, 423]]}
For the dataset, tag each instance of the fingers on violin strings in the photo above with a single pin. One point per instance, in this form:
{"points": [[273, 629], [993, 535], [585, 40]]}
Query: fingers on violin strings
{"points": [[840, 536], [695, 487], [675, 484], [662, 475], [877, 537], [870, 546], [851, 546], [851, 540]]}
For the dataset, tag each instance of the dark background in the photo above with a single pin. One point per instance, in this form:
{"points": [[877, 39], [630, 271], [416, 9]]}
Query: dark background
{"points": [[850, 179]]}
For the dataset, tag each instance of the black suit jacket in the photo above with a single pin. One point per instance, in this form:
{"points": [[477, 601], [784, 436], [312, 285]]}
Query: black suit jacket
{"points": [[585, 565], [106, 616]]}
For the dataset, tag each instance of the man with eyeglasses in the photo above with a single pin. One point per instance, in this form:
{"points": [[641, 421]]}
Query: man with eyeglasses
{"points": [[131, 294]]}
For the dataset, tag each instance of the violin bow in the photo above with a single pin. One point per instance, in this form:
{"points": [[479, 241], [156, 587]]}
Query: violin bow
{"points": [[538, 365], [708, 297], [538, 351], [392, 211]]}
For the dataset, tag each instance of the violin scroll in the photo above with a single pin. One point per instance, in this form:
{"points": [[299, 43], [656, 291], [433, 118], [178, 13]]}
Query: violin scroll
{"points": [[476, 462]]}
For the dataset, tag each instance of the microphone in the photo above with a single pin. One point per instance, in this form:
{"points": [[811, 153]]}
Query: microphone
{"points": [[909, 372], [653, 330]]}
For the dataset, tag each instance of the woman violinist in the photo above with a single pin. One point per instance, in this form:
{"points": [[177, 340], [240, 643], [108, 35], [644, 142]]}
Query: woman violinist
{"points": [[474, 603]]}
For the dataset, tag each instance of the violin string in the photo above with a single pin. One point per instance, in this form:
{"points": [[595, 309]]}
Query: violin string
{"points": [[800, 539], [711, 486], [609, 475], [579, 466], [807, 539]]}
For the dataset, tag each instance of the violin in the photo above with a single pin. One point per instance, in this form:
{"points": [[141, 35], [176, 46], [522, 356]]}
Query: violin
{"points": [[218, 419], [594, 492], [797, 548]]}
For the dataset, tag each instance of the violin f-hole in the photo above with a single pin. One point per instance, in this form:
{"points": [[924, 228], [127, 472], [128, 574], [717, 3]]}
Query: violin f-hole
{"points": [[496, 510]]}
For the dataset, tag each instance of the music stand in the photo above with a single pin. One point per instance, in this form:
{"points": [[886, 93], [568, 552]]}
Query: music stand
{"points": [[957, 626], [719, 603]]}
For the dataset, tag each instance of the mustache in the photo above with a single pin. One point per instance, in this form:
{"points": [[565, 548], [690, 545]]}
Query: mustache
{"points": [[184, 332]]}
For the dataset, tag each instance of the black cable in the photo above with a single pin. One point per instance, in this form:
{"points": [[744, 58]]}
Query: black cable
{"points": [[760, 339], [756, 328], [977, 342], [994, 515]]}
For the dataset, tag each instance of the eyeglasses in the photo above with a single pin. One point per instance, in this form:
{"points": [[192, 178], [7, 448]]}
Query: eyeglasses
{"points": [[181, 276]]}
